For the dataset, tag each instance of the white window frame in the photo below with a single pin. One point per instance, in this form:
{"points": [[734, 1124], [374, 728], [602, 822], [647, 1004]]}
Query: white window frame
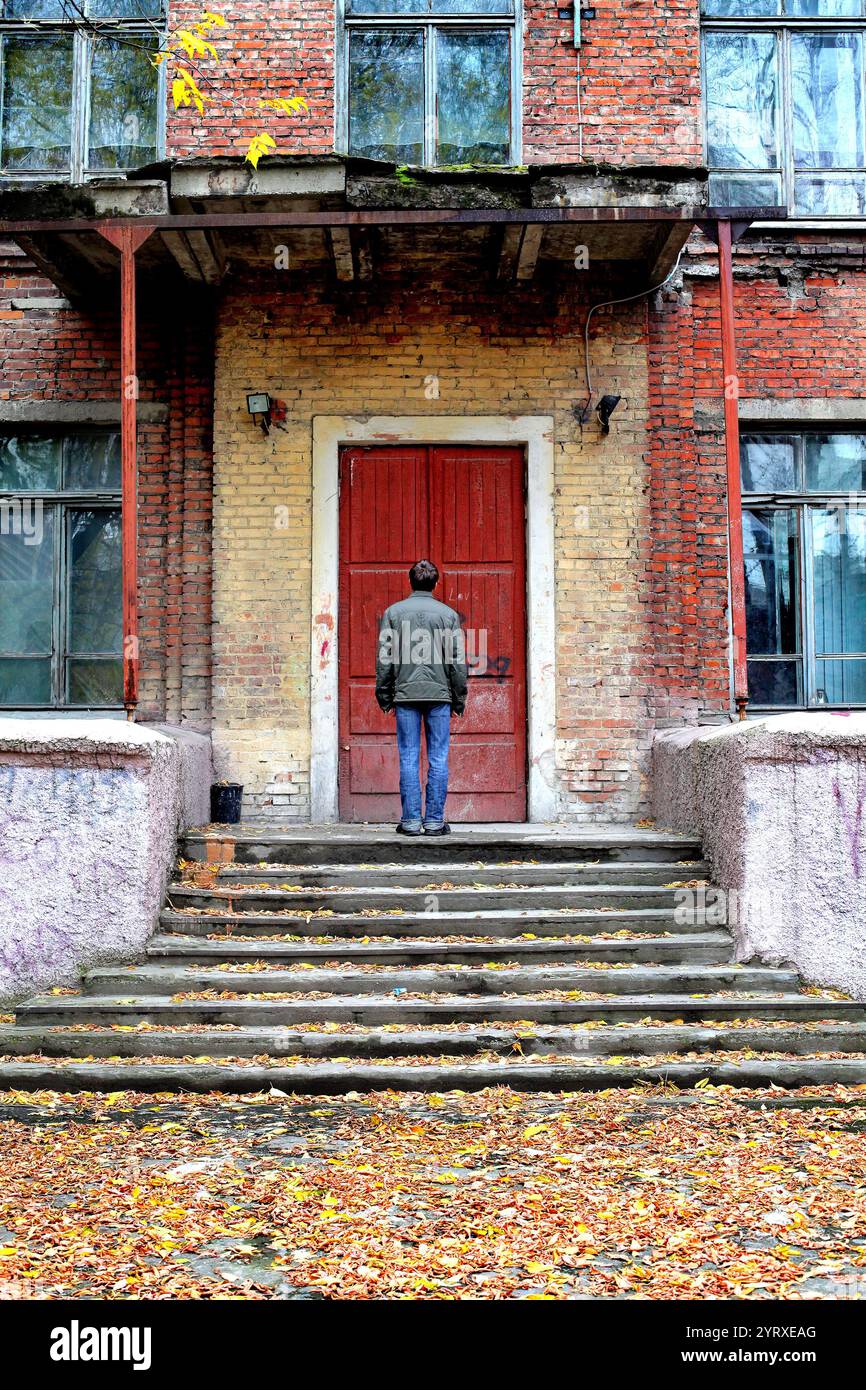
{"points": [[62, 501], [799, 502], [82, 50], [781, 26], [429, 23]]}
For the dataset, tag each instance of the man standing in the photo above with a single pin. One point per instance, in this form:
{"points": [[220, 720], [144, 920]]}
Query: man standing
{"points": [[421, 674]]}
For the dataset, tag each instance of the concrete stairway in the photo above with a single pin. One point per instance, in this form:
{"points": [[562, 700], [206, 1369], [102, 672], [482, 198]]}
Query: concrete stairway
{"points": [[350, 959]]}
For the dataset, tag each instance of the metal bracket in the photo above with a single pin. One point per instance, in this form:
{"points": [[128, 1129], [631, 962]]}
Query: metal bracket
{"points": [[738, 226]]}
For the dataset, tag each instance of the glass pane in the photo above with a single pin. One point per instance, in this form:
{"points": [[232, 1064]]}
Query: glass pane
{"points": [[823, 7], [772, 574], [25, 682], [775, 682], [123, 106], [840, 682], [127, 9], [740, 7], [830, 195], [29, 463], [95, 682], [768, 465], [92, 461], [745, 190], [395, 7], [26, 581], [472, 6], [827, 90], [386, 95], [37, 102], [740, 75], [35, 9], [839, 577], [836, 463], [473, 97], [95, 618]]}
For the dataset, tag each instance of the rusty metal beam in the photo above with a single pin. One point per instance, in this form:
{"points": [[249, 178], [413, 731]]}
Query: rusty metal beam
{"points": [[385, 217], [732, 460], [127, 239]]}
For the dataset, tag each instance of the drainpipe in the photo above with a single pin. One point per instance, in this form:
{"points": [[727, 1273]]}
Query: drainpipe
{"points": [[127, 239], [732, 458]]}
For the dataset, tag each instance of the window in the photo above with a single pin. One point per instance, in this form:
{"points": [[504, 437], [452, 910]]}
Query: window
{"points": [[784, 95], [79, 94], [804, 542], [60, 571], [431, 81]]}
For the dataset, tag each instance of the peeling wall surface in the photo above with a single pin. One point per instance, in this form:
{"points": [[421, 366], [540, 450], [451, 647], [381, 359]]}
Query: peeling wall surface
{"points": [[89, 816], [781, 805]]}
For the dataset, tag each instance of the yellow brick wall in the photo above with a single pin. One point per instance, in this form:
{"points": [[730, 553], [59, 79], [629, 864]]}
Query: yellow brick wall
{"points": [[517, 352]]}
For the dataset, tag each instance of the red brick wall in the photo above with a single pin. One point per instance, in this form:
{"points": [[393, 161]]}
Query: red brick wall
{"points": [[281, 49], [640, 88], [801, 332], [801, 323], [639, 100], [686, 554], [66, 355]]}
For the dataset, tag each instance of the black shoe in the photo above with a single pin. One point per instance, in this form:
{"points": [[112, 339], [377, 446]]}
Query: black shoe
{"points": [[401, 830], [441, 830]]}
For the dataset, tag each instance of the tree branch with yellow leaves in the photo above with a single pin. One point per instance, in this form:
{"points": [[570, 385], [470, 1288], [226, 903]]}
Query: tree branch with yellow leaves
{"points": [[187, 48]]}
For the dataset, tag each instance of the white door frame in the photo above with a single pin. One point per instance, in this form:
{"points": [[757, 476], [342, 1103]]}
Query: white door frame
{"points": [[535, 434]]}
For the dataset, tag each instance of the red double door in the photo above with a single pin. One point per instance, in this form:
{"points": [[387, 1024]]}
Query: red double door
{"points": [[463, 508]]}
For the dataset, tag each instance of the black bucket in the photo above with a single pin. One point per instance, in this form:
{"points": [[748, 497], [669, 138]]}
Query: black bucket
{"points": [[225, 803]]}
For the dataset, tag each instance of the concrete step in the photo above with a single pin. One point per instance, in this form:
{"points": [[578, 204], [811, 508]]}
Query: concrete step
{"points": [[708, 948], [506, 979], [465, 1040], [335, 1078], [510, 923], [281, 844], [249, 898], [454, 873], [371, 1010]]}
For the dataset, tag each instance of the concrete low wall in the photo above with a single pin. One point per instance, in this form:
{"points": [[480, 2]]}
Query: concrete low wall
{"points": [[781, 806], [90, 811]]}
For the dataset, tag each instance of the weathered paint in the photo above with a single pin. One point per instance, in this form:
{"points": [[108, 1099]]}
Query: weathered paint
{"points": [[779, 803], [462, 507], [90, 811]]}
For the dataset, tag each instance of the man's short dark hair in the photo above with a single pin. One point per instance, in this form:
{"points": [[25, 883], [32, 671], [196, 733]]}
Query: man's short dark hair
{"points": [[424, 575]]}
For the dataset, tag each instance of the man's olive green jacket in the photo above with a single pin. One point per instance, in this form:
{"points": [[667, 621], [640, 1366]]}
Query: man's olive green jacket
{"points": [[422, 654]]}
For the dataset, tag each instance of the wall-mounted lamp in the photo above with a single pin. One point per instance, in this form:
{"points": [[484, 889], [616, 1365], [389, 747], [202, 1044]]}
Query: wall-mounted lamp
{"points": [[259, 406], [605, 408], [603, 411]]}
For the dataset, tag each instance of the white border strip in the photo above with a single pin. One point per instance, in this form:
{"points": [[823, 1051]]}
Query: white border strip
{"points": [[535, 434]]}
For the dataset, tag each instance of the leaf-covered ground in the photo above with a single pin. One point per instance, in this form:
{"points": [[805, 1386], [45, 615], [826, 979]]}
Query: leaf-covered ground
{"points": [[647, 1194]]}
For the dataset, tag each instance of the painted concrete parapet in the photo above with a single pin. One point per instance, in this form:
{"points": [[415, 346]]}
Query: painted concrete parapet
{"points": [[781, 806], [90, 811]]}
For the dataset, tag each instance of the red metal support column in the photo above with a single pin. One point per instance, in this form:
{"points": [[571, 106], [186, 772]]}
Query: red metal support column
{"points": [[732, 457], [127, 239]]}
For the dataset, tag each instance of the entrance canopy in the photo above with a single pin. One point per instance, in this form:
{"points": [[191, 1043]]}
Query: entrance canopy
{"points": [[352, 219]]}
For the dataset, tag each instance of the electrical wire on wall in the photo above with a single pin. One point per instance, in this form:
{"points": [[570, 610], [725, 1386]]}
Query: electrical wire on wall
{"points": [[606, 304]]}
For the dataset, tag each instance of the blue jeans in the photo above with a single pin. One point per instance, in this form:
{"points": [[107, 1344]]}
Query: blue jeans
{"points": [[437, 729]]}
